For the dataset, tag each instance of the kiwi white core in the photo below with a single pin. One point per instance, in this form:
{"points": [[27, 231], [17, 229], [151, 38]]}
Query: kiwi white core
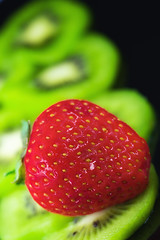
{"points": [[10, 145], [59, 74], [91, 218], [38, 31]]}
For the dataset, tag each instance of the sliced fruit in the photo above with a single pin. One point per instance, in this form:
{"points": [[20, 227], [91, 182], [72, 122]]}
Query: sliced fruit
{"points": [[90, 70], [40, 28], [79, 76], [26, 219], [73, 75], [118, 222]]}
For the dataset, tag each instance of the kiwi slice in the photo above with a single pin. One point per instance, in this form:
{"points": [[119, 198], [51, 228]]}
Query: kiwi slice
{"points": [[79, 76], [80, 70], [117, 222], [21, 218], [44, 31], [132, 107]]}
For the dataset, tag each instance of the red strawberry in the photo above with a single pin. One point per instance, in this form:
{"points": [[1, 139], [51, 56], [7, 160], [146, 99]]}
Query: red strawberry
{"points": [[82, 159]]}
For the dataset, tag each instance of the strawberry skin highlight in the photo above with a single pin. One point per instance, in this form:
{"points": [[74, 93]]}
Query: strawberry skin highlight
{"points": [[82, 159]]}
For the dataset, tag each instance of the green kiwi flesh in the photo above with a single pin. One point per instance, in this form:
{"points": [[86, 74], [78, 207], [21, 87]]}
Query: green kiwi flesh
{"points": [[21, 218], [6, 182], [2, 79], [9, 119], [117, 222], [131, 107]]}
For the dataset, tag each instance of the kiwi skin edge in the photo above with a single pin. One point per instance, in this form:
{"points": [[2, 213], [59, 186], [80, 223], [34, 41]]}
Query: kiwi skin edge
{"points": [[121, 227], [151, 226]]}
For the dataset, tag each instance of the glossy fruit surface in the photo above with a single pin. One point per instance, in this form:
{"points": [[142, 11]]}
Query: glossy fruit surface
{"points": [[82, 159]]}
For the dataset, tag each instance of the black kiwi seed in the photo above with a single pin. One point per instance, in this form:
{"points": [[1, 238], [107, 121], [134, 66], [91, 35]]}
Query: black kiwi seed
{"points": [[99, 221], [74, 233], [95, 223]]}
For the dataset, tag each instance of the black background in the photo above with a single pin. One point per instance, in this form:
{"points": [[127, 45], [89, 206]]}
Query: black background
{"points": [[135, 28]]}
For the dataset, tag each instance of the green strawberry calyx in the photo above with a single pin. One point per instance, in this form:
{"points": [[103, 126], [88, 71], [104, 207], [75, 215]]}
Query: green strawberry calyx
{"points": [[19, 170]]}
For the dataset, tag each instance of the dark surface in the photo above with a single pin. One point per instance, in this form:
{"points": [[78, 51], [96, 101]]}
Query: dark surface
{"points": [[134, 27]]}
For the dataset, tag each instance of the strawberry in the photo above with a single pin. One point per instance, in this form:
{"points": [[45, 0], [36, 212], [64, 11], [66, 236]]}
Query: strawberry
{"points": [[82, 159]]}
